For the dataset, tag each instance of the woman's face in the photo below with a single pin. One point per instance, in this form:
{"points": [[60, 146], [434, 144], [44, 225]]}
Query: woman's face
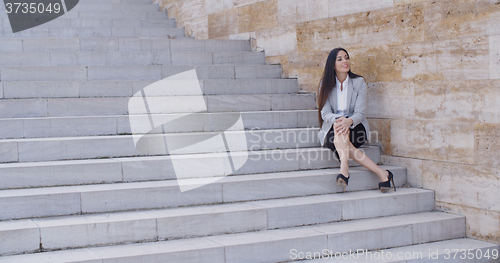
{"points": [[342, 62]]}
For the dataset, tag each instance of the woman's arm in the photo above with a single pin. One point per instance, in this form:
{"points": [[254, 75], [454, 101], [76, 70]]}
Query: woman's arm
{"points": [[359, 106], [327, 113]]}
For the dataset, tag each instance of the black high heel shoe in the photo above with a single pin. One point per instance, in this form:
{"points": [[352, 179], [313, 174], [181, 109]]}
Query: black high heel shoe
{"points": [[342, 180], [385, 186]]}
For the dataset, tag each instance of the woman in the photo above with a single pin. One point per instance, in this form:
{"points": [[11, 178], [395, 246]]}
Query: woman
{"points": [[342, 100]]}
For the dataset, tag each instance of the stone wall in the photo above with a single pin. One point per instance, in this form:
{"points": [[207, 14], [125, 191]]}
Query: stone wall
{"points": [[433, 71]]}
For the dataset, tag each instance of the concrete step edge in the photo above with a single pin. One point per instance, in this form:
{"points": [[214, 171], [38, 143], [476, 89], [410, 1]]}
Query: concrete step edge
{"points": [[119, 89], [87, 148], [101, 198], [108, 116], [130, 136], [210, 95], [260, 152], [254, 246], [146, 73], [261, 215], [189, 105], [77, 126]]}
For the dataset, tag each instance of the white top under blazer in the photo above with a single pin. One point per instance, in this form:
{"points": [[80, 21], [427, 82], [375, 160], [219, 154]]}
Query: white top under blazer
{"points": [[356, 104], [342, 94]]}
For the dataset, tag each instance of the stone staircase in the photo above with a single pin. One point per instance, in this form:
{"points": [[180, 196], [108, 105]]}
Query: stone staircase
{"points": [[74, 187]]}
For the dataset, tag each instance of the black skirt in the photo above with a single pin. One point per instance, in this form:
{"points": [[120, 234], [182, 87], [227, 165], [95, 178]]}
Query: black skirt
{"points": [[357, 138]]}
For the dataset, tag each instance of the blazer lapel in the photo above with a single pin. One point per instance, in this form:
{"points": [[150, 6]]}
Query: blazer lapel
{"points": [[333, 99], [349, 95]]}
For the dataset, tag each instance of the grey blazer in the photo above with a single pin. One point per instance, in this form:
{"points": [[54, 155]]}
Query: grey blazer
{"points": [[356, 103]]}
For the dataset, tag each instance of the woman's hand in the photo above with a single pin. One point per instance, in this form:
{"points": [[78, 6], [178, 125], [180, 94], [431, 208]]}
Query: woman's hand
{"points": [[342, 125]]}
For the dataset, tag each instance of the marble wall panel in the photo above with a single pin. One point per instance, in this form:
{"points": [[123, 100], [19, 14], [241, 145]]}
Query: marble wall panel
{"points": [[312, 10], [287, 12], [494, 47], [214, 6], [432, 140], [340, 8], [276, 42], [197, 27], [241, 36], [307, 67], [487, 144], [293, 11], [469, 101], [380, 134], [449, 59], [469, 185], [238, 3], [482, 224], [405, 2], [390, 26], [261, 15], [190, 9], [171, 7], [223, 23], [393, 100], [461, 18], [378, 63]]}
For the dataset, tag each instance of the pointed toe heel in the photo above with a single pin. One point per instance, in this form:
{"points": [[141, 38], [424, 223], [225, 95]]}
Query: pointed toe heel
{"points": [[386, 186]]}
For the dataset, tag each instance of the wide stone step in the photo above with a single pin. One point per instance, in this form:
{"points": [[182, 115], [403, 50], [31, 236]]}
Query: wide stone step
{"points": [[146, 226], [84, 199], [94, 32], [99, 89], [455, 250], [63, 107], [118, 170], [49, 127], [105, 23], [120, 44], [74, 148], [119, 58], [136, 73], [275, 245]]}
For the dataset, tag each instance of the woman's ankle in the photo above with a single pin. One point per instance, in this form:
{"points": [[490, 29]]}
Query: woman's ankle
{"points": [[344, 171], [384, 176]]}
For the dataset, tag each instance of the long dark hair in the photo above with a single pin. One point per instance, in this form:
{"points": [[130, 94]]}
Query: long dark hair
{"points": [[328, 80]]}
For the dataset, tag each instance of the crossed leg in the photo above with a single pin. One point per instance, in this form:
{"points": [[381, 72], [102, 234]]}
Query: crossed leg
{"points": [[360, 157], [345, 150], [342, 142]]}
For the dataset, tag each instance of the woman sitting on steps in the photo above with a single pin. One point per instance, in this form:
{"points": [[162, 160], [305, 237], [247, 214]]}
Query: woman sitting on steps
{"points": [[344, 128]]}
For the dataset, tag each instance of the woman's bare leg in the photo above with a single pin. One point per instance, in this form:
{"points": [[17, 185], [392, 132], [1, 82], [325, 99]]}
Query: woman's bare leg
{"points": [[360, 157], [342, 142]]}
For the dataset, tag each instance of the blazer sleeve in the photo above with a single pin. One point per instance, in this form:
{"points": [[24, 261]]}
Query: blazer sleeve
{"points": [[327, 113], [359, 106]]}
